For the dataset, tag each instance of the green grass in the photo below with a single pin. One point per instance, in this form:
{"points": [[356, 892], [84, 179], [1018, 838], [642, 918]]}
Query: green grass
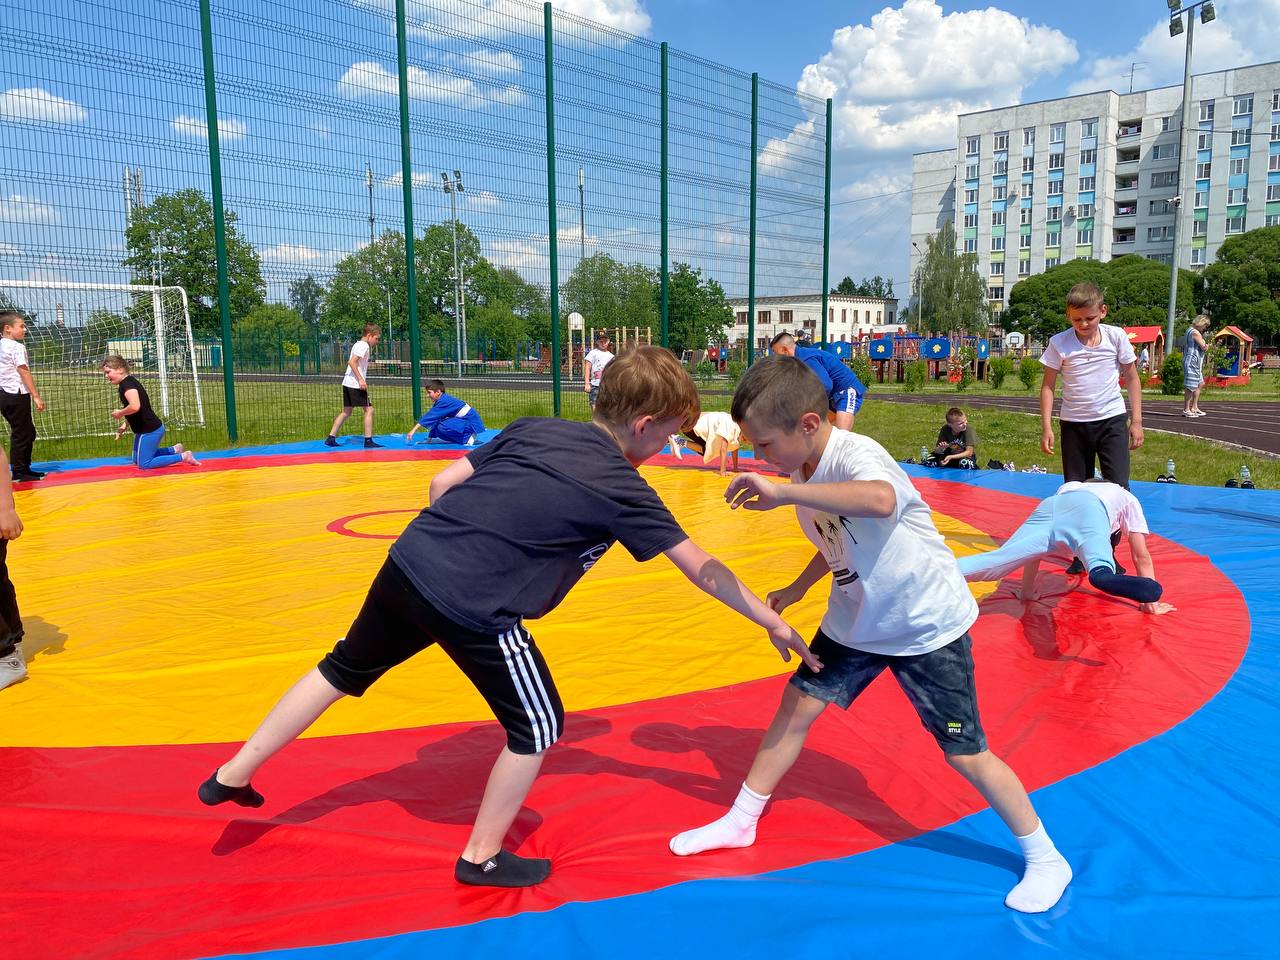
{"points": [[274, 412], [1263, 387]]}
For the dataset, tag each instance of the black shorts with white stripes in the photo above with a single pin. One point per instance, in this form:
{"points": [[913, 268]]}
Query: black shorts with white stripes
{"points": [[507, 669]]}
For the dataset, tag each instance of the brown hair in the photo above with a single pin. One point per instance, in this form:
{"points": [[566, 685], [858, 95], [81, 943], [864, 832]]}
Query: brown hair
{"points": [[116, 362], [647, 382], [954, 412], [778, 391], [9, 318], [1085, 295], [435, 385], [371, 328]]}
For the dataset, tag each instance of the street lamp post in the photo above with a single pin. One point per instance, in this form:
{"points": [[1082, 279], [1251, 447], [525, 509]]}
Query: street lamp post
{"points": [[1207, 14], [919, 289], [453, 188]]}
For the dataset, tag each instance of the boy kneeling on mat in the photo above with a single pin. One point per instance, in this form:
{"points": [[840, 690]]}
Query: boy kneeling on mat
{"points": [[521, 519], [449, 420]]}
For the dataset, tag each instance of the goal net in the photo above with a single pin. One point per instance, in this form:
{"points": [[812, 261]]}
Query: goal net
{"points": [[73, 327]]}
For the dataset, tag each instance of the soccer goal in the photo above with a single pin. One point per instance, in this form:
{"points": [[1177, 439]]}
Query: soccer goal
{"points": [[73, 327]]}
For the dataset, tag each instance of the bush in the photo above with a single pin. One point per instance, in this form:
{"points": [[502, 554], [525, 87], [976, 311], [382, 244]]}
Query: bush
{"points": [[736, 369], [1029, 371], [916, 375], [966, 378], [705, 371], [998, 371], [1171, 374], [862, 368]]}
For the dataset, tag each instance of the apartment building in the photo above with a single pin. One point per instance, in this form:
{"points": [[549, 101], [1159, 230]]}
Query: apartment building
{"points": [[1098, 175], [847, 317]]}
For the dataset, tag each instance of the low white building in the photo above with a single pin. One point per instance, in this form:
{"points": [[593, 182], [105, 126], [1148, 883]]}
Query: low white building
{"points": [[848, 318]]}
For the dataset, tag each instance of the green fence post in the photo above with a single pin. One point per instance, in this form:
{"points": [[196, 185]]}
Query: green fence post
{"points": [[219, 218], [751, 268], [666, 266], [553, 234], [826, 229], [406, 175]]}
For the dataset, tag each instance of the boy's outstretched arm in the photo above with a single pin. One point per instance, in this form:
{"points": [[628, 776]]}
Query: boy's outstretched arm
{"points": [[449, 477], [849, 498], [713, 577], [794, 592], [1047, 385], [1145, 567]]}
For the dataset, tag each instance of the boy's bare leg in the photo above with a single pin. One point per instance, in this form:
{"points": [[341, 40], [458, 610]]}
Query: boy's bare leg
{"points": [[1047, 872], [368, 421], [483, 861], [1030, 572], [778, 751], [339, 420]]}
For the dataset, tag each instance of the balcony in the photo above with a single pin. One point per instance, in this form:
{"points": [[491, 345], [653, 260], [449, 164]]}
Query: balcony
{"points": [[1124, 236], [1130, 155], [1129, 128], [1128, 209], [1127, 182]]}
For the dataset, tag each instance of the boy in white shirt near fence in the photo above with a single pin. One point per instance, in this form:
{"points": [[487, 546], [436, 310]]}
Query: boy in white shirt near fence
{"points": [[355, 387]]}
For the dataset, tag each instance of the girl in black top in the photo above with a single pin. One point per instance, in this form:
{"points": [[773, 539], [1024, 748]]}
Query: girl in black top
{"points": [[136, 414]]}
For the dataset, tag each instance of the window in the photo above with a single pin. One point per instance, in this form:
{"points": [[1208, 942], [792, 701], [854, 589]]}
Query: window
{"points": [[1000, 168], [1166, 124], [971, 171], [1164, 151], [1239, 165], [1026, 215], [1055, 188], [1203, 170], [1198, 256], [742, 318], [1028, 164], [1029, 137], [1160, 257], [997, 244], [1057, 133], [995, 293], [1158, 207], [762, 316], [1024, 267], [1087, 184], [1275, 133], [1057, 161], [971, 245], [1054, 212], [1085, 236], [997, 269], [1273, 191], [1159, 234], [1206, 112], [1273, 162], [997, 218], [1164, 179], [970, 219], [1024, 241], [971, 145], [1028, 190], [785, 318], [971, 196], [999, 191], [1086, 210], [1199, 228], [1202, 199], [1235, 224], [1052, 238], [1272, 220], [1000, 141], [1238, 195], [1089, 128], [1052, 262], [1275, 100], [1088, 156], [1204, 141], [1241, 137], [1242, 106]]}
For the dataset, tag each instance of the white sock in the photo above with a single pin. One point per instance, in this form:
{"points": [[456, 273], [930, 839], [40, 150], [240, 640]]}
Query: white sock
{"points": [[1045, 878], [737, 828]]}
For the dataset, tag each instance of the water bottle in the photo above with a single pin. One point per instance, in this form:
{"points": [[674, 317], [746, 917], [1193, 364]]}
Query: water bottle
{"points": [[1245, 476], [924, 454], [1169, 468]]}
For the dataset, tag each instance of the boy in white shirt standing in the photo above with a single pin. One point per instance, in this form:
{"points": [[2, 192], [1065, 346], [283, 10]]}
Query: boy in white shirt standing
{"points": [[355, 388], [17, 393], [897, 602], [593, 365]]}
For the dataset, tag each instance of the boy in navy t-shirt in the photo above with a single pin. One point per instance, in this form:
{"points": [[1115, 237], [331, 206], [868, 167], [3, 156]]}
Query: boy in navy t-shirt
{"points": [[449, 420], [521, 519], [844, 390]]}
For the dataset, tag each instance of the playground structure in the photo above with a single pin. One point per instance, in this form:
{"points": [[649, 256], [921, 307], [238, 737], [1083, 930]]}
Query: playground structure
{"points": [[944, 355], [1234, 369], [1150, 339], [622, 339]]}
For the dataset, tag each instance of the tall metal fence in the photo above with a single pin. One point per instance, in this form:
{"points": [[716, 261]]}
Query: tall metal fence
{"points": [[298, 171]]}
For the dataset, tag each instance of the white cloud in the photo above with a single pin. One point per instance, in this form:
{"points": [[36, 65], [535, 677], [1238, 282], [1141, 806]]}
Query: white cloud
{"points": [[491, 19], [228, 128], [481, 201], [1244, 33], [899, 83], [10, 249], [491, 62], [877, 183], [19, 209], [37, 105], [367, 78], [421, 180], [299, 253]]}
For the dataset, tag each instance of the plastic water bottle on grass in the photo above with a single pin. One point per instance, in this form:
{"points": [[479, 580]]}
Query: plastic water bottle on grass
{"points": [[924, 454], [1245, 476], [1169, 468]]}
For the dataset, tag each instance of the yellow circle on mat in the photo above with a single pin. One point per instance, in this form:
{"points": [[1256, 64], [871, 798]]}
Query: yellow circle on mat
{"points": [[177, 609]]}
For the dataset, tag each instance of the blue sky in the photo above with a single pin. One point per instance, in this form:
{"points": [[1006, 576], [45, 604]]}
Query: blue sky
{"points": [[307, 97]]}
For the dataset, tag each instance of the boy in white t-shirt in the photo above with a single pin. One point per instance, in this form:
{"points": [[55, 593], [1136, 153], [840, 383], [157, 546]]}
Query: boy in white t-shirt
{"points": [[715, 436], [17, 394], [1078, 520], [593, 365], [897, 602], [355, 387]]}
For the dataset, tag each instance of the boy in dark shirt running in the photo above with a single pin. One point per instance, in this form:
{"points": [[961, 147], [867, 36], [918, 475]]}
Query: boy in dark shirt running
{"points": [[521, 519], [136, 414]]}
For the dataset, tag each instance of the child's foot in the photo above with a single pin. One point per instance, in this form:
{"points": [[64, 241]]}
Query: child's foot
{"points": [[331, 441], [370, 442], [189, 457], [179, 448], [212, 793], [727, 833], [504, 869], [1041, 886]]}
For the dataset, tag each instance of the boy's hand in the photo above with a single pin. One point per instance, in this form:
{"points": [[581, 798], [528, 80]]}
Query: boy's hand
{"points": [[1136, 436], [39, 402], [754, 492], [1158, 608], [1046, 441], [10, 524], [787, 641], [779, 600]]}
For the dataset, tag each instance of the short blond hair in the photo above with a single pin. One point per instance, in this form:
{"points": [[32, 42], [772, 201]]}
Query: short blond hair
{"points": [[1201, 322], [647, 382], [1086, 295]]}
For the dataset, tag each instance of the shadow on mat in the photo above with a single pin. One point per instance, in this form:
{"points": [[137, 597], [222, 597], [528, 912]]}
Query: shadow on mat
{"points": [[1039, 623], [42, 638]]}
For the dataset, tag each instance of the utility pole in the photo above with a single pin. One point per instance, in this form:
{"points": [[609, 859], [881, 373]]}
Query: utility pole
{"points": [[453, 188], [582, 218], [368, 182]]}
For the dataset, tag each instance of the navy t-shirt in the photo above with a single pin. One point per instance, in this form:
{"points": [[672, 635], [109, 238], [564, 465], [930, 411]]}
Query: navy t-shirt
{"points": [[546, 500], [145, 420]]}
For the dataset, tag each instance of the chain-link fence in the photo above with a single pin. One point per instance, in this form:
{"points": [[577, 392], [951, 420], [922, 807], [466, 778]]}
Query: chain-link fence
{"points": [[662, 211]]}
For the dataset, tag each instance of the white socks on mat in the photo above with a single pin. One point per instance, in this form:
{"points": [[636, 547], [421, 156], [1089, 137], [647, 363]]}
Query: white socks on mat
{"points": [[737, 828], [1045, 878]]}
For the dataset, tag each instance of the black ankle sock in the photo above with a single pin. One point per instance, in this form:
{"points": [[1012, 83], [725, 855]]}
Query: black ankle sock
{"points": [[213, 793], [502, 870]]}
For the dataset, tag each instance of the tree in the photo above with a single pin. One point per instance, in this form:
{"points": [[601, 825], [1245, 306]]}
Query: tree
{"points": [[952, 296], [366, 287], [271, 322], [846, 287], [877, 287], [697, 311], [1242, 287], [612, 294], [170, 240], [306, 296]]}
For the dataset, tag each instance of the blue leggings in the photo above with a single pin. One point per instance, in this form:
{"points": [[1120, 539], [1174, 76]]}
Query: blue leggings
{"points": [[453, 430], [149, 455]]}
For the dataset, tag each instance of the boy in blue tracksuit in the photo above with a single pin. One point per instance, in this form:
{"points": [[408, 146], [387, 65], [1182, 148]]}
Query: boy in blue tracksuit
{"points": [[844, 390], [449, 420]]}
